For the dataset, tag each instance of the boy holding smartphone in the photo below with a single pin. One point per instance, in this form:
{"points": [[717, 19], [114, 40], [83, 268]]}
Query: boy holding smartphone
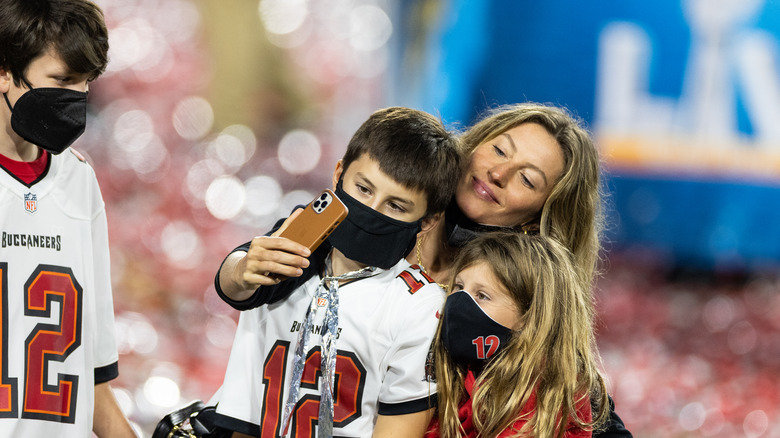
{"points": [[375, 313]]}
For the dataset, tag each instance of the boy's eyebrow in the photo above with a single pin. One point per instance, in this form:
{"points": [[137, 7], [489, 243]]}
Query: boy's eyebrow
{"points": [[364, 179], [530, 165]]}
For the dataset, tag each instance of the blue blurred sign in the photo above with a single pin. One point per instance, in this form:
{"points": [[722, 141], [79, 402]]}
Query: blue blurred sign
{"points": [[683, 98]]}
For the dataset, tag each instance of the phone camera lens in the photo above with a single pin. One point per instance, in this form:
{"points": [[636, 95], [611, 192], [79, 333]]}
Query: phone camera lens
{"points": [[316, 204], [324, 204], [324, 196]]}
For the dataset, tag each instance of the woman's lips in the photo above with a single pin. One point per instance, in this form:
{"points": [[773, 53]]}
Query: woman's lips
{"points": [[483, 191]]}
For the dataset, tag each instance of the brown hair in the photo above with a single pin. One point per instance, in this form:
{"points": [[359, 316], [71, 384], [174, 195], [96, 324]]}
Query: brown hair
{"points": [[414, 149], [74, 29]]}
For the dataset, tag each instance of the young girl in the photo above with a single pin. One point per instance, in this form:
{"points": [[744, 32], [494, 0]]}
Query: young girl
{"points": [[515, 353]]}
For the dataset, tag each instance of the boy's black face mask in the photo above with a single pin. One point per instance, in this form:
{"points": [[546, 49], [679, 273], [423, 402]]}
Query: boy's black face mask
{"points": [[470, 335], [51, 118], [371, 238]]}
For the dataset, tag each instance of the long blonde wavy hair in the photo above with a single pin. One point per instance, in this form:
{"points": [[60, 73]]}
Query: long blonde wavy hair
{"points": [[553, 354], [573, 212]]}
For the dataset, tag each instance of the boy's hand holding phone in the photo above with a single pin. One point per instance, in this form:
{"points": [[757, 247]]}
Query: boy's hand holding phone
{"points": [[271, 258], [284, 254]]}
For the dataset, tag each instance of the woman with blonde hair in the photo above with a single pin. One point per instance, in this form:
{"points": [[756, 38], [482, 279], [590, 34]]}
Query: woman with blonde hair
{"points": [[532, 168], [515, 353]]}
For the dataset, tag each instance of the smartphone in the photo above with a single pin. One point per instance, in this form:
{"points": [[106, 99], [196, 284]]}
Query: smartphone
{"points": [[323, 214]]}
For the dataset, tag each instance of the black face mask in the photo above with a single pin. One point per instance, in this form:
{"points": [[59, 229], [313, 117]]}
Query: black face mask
{"points": [[371, 238], [460, 229], [470, 336], [51, 118]]}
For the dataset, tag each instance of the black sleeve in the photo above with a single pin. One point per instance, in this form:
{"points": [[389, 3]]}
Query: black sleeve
{"points": [[614, 427], [236, 425], [277, 292], [107, 373]]}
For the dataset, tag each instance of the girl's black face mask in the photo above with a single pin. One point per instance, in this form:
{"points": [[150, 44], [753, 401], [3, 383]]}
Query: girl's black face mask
{"points": [[470, 335], [51, 118], [371, 238]]}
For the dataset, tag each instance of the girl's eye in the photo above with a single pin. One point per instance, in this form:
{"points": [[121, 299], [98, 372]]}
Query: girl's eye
{"points": [[498, 151]]}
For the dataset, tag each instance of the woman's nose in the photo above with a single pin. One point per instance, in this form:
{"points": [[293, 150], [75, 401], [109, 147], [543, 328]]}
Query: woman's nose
{"points": [[498, 175]]}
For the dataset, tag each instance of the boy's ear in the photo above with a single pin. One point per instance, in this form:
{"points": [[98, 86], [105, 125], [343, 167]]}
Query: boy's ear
{"points": [[428, 222], [5, 80], [337, 173]]}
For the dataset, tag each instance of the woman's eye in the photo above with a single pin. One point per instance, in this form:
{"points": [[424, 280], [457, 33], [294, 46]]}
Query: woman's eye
{"points": [[499, 151], [482, 296], [527, 182], [457, 286]]}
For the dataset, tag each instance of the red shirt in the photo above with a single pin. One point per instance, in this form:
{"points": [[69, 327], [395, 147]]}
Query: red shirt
{"points": [[26, 172], [466, 411]]}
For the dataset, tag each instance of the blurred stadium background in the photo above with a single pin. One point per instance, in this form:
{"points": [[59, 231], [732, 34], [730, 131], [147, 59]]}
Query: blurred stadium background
{"points": [[216, 117]]}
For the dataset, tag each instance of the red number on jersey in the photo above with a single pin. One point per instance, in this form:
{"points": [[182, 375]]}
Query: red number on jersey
{"points": [[413, 283], [350, 379], [273, 380], [8, 385], [46, 343]]}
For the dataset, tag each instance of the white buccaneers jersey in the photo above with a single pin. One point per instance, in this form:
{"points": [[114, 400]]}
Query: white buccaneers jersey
{"points": [[56, 310], [386, 325]]}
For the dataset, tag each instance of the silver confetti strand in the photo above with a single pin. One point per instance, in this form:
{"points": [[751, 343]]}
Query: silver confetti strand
{"points": [[328, 362], [328, 353], [299, 358]]}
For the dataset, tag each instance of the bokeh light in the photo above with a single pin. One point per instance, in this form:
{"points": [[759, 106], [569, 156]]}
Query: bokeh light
{"points": [[199, 177], [193, 118], [135, 334], [225, 197], [755, 424], [181, 244], [370, 28], [718, 313], [742, 338], [263, 194], [283, 16], [299, 152], [162, 391], [220, 330], [692, 416]]}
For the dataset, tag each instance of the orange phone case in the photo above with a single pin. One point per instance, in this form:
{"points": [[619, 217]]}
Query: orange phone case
{"points": [[323, 214]]}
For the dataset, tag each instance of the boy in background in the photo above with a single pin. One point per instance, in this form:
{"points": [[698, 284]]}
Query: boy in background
{"points": [[58, 350]]}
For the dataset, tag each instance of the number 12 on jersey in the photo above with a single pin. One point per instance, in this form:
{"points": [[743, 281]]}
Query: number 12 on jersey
{"points": [[45, 343], [350, 380]]}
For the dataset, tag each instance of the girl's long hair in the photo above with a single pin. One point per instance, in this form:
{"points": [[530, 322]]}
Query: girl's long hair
{"points": [[554, 354]]}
